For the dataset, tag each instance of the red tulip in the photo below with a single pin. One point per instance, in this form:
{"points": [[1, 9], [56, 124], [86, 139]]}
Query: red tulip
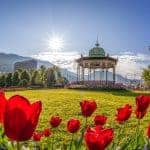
{"points": [[21, 118], [37, 136], [98, 138], [3, 102], [55, 121], [73, 125], [88, 107], [47, 132], [148, 131], [123, 113], [100, 120], [142, 104]]}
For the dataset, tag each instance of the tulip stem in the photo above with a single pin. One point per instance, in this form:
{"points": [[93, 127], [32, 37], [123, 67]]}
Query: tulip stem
{"points": [[138, 130], [71, 141], [148, 143], [86, 122], [18, 145]]}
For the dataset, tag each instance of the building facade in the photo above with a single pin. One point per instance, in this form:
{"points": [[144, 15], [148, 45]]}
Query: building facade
{"points": [[27, 64]]}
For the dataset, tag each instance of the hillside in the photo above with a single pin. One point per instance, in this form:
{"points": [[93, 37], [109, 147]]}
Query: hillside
{"points": [[7, 61]]}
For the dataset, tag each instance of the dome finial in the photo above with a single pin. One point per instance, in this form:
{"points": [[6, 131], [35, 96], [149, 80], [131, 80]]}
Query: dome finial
{"points": [[97, 43]]}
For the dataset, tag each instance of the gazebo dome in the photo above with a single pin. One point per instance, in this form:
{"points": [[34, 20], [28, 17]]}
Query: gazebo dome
{"points": [[97, 51]]}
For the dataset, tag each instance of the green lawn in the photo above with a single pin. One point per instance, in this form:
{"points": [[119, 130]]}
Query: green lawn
{"points": [[65, 102]]}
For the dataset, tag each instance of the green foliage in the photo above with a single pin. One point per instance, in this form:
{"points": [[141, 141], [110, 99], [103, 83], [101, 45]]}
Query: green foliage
{"points": [[2, 80], [62, 80], [23, 83], [146, 76], [19, 71], [36, 78], [50, 78], [25, 75], [56, 71], [34, 74], [15, 79], [8, 80]]}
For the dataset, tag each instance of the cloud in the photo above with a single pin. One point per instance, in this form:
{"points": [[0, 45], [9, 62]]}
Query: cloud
{"points": [[129, 64], [64, 59]]}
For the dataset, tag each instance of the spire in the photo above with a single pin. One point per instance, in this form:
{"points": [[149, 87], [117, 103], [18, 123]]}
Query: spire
{"points": [[97, 43]]}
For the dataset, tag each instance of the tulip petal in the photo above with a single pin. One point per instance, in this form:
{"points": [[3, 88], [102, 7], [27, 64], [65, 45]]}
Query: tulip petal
{"points": [[15, 119], [21, 118], [32, 121], [3, 102]]}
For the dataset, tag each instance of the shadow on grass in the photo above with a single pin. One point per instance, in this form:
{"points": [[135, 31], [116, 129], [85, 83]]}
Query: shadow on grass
{"points": [[117, 92]]}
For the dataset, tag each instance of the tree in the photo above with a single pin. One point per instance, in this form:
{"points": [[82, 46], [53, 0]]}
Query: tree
{"points": [[25, 75], [42, 72], [19, 70], [34, 74], [15, 78], [62, 80], [57, 72], [23, 83], [36, 78], [9, 80], [2, 80], [50, 78], [146, 76], [43, 69]]}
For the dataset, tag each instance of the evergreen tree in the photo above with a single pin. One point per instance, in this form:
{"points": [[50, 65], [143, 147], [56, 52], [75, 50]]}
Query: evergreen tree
{"points": [[19, 70], [43, 69], [25, 75], [146, 76], [9, 80], [34, 74], [42, 72], [62, 81], [50, 78], [15, 78], [57, 72], [23, 83], [36, 78], [2, 80]]}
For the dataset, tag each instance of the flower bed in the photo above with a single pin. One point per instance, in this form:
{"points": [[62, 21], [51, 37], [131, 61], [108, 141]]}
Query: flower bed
{"points": [[96, 84], [19, 119]]}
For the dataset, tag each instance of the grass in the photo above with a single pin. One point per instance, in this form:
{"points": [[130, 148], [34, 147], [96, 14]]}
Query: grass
{"points": [[65, 102]]}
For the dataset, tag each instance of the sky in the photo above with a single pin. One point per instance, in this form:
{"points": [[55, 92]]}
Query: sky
{"points": [[123, 28]]}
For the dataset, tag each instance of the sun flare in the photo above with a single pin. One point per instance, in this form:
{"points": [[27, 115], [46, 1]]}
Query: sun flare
{"points": [[56, 43]]}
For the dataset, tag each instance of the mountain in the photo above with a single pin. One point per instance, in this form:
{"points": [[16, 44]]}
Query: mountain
{"points": [[7, 61], [7, 65]]}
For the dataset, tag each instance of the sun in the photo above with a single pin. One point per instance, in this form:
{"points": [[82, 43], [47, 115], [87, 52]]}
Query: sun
{"points": [[56, 43]]}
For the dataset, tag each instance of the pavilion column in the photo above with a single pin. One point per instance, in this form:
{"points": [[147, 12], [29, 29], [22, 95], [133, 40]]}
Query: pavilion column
{"points": [[99, 74], [79, 77], [90, 73], [103, 74], [106, 75], [94, 74], [114, 74], [82, 73], [78, 72]]}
